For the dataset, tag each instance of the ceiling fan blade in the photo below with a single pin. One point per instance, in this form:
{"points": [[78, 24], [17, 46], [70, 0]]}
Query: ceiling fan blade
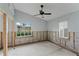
{"points": [[47, 13], [36, 14]]}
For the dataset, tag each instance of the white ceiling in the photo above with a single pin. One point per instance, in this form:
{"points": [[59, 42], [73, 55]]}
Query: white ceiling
{"points": [[57, 9]]}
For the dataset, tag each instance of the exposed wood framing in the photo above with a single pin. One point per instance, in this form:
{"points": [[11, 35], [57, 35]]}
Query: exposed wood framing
{"points": [[74, 40], [13, 34], [8, 31], [5, 46]]}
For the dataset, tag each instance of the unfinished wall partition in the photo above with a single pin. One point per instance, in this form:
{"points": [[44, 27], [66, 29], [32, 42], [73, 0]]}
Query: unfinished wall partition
{"points": [[10, 31], [36, 37], [3, 33], [69, 43]]}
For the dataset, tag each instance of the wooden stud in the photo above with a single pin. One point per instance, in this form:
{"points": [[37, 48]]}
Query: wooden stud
{"points": [[5, 47], [65, 43], [74, 40], [0, 39], [14, 37], [43, 35], [69, 36], [13, 34], [55, 36], [8, 31]]}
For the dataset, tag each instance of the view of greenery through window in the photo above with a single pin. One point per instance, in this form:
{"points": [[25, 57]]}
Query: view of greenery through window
{"points": [[23, 30]]}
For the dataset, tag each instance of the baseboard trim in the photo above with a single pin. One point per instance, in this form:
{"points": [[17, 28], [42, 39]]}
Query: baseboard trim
{"points": [[27, 43]]}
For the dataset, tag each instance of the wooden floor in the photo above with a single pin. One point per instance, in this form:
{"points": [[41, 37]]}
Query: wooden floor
{"points": [[45, 48]]}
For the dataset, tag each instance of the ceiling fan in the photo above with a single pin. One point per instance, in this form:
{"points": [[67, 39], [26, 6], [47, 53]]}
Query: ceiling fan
{"points": [[42, 13]]}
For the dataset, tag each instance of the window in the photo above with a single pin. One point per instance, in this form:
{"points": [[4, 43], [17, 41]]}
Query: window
{"points": [[63, 29], [23, 30]]}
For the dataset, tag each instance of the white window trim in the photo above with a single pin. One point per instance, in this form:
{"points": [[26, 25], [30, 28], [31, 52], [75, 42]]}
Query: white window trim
{"points": [[63, 31]]}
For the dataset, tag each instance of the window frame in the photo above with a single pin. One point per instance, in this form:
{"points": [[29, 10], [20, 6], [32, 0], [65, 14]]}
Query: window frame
{"points": [[63, 29], [24, 32]]}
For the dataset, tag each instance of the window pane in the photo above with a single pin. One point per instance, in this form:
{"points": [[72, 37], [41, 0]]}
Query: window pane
{"points": [[23, 30], [63, 29], [18, 33], [22, 33]]}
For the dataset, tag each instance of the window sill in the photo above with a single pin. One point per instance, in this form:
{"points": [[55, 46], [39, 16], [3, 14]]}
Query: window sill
{"points": [[64, 38], [24, 36]]}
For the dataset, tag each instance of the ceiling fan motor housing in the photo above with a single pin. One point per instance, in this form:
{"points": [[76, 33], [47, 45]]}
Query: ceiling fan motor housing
{"points": [[41, 12]]}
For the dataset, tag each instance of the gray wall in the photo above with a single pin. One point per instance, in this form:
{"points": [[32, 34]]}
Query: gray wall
{"points": [[8, 8], [73, 26], [71, 18], [36, 23], [40, 25]]}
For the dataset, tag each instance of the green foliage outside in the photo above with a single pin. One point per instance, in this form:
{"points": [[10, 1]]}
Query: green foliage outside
{"points": [[22, 33], [18, 33], [26, 33]]}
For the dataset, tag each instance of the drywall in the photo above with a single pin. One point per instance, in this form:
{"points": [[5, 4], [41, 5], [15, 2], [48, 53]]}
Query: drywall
{"points": [[71, 18], [36, 23]]}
